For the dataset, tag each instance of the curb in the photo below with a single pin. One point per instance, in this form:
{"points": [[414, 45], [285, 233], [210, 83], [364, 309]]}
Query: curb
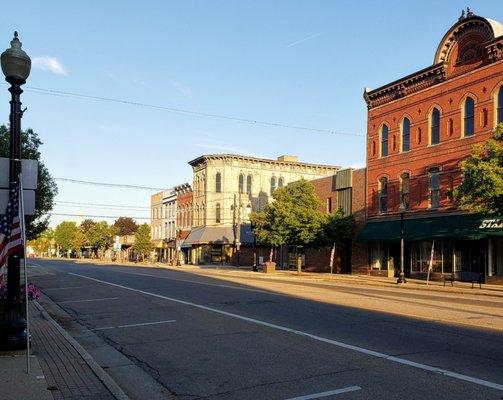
{"points": [[109, 383]]}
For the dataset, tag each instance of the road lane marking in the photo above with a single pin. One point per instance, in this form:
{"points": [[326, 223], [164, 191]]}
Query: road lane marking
{"points": [[398, 360], [133, 325], [326, 394], [88, 300]]}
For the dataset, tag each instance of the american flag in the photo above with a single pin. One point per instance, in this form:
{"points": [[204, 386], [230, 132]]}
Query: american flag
{"points": [[11, 239]]}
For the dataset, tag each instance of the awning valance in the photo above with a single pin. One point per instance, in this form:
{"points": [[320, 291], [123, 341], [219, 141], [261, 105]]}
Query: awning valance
{"points": [[218, 235], [460, 226]]}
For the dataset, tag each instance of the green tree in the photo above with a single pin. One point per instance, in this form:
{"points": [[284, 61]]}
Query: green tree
{"points": [[142, 243], [337, 230], [85, 227], [42, 243], [125, 226], [79, 241], [293, 217], [46, 190], [102, 235], [482, 187], [65, 234]]}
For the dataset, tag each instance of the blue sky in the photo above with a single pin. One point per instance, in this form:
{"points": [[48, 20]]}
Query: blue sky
{"points": [[295, 62]]}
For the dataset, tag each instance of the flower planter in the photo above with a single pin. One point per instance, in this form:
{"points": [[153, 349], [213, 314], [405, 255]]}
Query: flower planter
{"points": [[269, 267]]}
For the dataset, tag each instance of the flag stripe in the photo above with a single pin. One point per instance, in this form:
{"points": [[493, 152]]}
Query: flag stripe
{"points": [[11, 240]]}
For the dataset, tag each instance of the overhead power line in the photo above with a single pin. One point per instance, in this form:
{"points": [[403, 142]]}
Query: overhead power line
{"points": [[95, 216], [101, 205], [117, 185], [200, 114]]}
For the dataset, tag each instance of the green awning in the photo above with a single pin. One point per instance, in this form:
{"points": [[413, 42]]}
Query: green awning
{"points": [[461, 226]]}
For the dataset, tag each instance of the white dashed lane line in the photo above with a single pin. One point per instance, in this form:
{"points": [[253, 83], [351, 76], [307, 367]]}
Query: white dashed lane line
{"points": [[87, 300], [326, 394], [134, 325]]}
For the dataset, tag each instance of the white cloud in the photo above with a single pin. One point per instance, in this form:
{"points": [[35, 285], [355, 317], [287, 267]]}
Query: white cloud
{"points": [[47, 63], [182, 88], [303, 40]]}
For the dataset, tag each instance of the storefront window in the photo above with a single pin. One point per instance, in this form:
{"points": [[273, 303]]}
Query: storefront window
{"points": [[421, 256], [379, 256]]}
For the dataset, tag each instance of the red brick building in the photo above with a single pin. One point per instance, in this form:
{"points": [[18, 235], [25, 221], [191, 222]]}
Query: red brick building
{"points": [[184, 217], [344, 190], [419, 129]]}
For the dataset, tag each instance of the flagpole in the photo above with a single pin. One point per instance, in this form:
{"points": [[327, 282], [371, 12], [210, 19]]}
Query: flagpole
{"points": [[23, 235]]}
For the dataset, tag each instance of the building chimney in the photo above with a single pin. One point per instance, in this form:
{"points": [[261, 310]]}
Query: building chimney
{"points": [[291, 159]]}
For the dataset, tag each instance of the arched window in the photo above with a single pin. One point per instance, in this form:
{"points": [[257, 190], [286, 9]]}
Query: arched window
{"points": [[383, 195], [218, 182], [384, 140], [469, 111], [249, 184], [434, 186], [217, 213], [280, 182], [405, 190], [435, 126], [241, 184], [405, 134], [500, 106], [273, 185]]}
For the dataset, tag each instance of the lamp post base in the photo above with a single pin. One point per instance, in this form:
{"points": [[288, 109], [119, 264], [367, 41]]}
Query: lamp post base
{"points": [[13, 334]]}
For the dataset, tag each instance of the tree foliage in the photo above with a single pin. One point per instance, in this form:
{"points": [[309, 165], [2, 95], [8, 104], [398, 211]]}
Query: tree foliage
{"points": [[142, 244], [125, 226], [46, 190], [337, 229], [65, 234], [293, 217], [101, 235], [482, 187], [42, 243]]}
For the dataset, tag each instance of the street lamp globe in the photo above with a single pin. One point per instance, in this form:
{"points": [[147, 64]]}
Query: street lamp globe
{"points": [[16, 64]]}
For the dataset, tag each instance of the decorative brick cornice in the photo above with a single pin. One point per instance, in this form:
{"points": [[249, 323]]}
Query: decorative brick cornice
{"points": [[495, 50], [410, 84]]}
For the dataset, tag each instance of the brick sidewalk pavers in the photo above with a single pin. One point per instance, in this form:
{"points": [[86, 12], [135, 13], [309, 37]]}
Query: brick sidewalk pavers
{"points": [[66, 372]]}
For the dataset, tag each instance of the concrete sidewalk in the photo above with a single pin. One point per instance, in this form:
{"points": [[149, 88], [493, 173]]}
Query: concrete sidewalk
{"points": [[16, 384], [59, 369]]}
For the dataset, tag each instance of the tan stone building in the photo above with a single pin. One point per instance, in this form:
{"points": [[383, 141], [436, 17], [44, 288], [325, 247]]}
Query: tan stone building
{"points": [[227, 188]]}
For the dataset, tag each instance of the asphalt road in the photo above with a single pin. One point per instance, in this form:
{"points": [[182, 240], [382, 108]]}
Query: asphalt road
{"points": [[204, 338]]}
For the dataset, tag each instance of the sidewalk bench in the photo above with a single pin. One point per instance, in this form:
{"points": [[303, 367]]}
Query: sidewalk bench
{"points": [[464, 276]]}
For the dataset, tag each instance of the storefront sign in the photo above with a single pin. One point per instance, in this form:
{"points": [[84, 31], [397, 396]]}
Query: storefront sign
{"points": [[492, 223]]}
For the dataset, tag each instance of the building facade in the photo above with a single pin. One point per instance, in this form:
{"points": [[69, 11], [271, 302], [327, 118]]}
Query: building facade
{"points": [[157, 221], [345, 190], [420, 128], [169, 205], [226, 189], [184, 219]]}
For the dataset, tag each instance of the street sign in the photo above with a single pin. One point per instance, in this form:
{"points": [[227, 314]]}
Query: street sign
{"points": [[29, 175], [29, 178]]}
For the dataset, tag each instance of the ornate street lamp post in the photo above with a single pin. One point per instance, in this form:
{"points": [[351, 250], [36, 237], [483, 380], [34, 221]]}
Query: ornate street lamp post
{"points": [[16, 67]]}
